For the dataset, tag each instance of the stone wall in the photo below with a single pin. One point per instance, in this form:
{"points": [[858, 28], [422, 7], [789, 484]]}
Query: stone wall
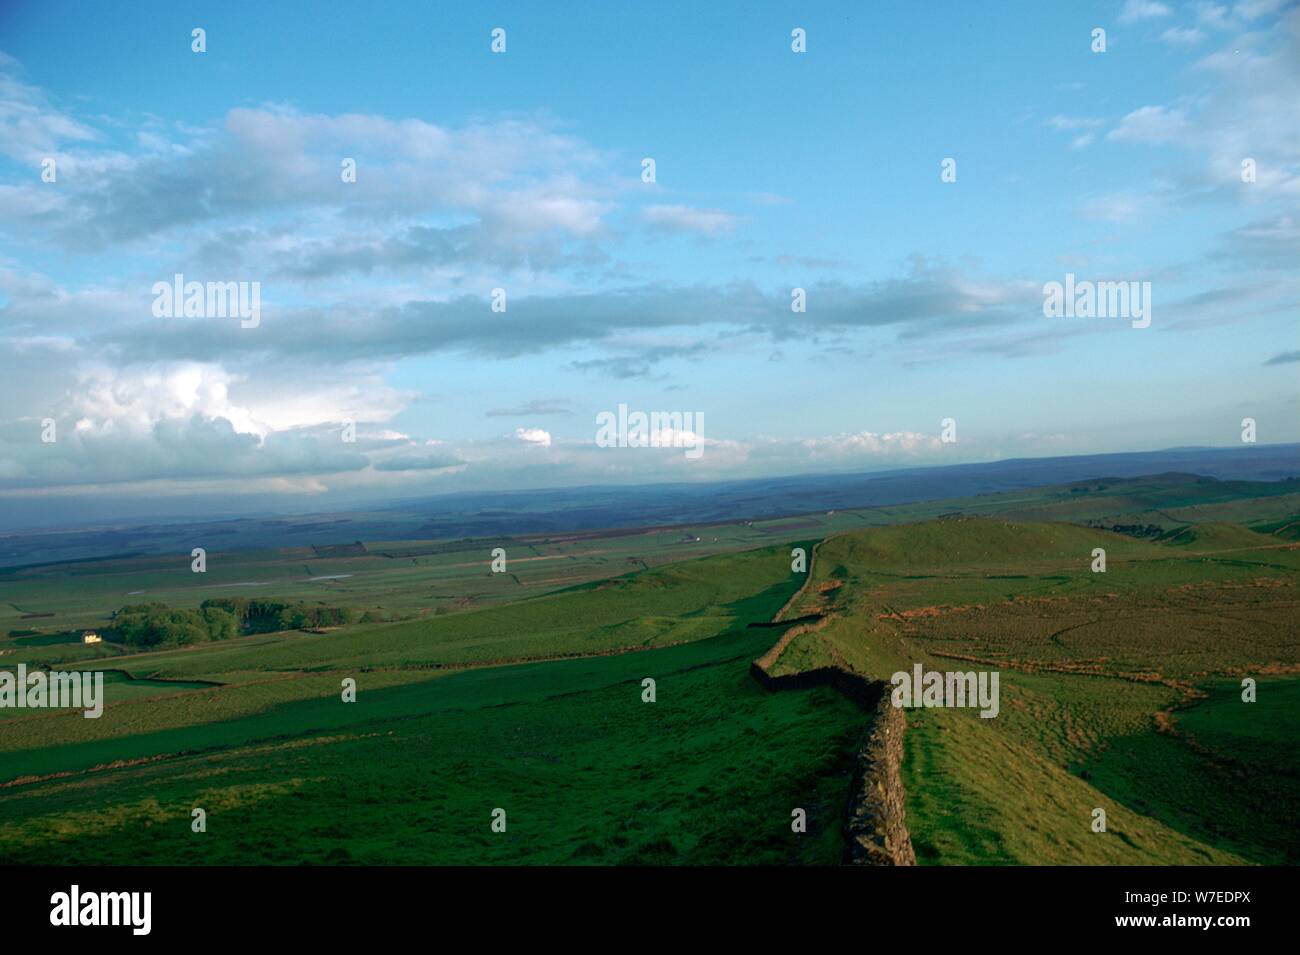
{"points": [[875, 823], [807, 582]]}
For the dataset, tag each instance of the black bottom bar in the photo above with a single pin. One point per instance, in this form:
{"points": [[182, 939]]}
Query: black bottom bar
{"points": [[329, 905]]}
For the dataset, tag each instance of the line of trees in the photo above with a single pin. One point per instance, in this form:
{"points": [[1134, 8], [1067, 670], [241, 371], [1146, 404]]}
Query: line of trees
{"points": [[157, 625], [1130, 530], [265, 616]]}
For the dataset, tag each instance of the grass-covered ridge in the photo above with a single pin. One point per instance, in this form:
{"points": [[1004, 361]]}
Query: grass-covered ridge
{"points": [[1104, 679]]}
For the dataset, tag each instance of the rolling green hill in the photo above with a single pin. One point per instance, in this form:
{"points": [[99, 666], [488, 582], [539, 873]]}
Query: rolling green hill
{"points": [[1120, 690], [1100, 675]]}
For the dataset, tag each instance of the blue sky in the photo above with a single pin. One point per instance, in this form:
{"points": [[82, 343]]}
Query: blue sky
{"points": [[522, 171]]}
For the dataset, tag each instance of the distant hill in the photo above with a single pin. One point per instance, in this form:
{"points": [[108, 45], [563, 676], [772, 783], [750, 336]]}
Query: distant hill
{"points": [[1101, 488], [978, 544], [1217, 536]]}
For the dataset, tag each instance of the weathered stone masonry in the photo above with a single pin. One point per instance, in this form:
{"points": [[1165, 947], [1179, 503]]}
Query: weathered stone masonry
{"points": [[875, 822]]}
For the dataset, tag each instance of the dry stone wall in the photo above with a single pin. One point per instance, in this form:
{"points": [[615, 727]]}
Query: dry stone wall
{"points": [[875, 822]]}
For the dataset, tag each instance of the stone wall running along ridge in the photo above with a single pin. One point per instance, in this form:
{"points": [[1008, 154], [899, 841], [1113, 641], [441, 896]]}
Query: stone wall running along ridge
{"points": [[875, 823]]}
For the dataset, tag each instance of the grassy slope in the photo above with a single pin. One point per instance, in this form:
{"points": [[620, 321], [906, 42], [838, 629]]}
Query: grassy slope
{"points": [[1020, 598], [584, 769], [410, 773], [679, 602], [689, 601]]}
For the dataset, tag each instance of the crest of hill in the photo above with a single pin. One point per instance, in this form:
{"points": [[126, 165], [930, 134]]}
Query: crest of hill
{"points": [[1217, 536], [1287, 529], [976, 542], [1175, 488]]}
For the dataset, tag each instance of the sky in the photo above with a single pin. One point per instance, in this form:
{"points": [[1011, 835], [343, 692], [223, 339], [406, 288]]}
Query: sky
{"points": [[378, 368]]}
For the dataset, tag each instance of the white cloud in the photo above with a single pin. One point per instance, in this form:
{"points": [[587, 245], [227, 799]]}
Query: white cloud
{"points": [[1068, 123], [1137, 10], [508, 180], [1254, 9], [1151, 124], [1185, 36], [1212, 15], [534, 436], [1117, 207], [1081, 126], [1247, 109], [31, 128], [897, 443], [136, 398], [678, 218]]}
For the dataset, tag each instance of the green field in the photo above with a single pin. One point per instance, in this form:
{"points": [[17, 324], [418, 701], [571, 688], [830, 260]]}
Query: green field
{"points": [[522, 691], [416, 579], [1104, 683], [586, 771]]}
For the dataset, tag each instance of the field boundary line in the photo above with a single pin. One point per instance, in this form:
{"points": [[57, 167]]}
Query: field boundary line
{"points": [[808, 579], [875, 826]]}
